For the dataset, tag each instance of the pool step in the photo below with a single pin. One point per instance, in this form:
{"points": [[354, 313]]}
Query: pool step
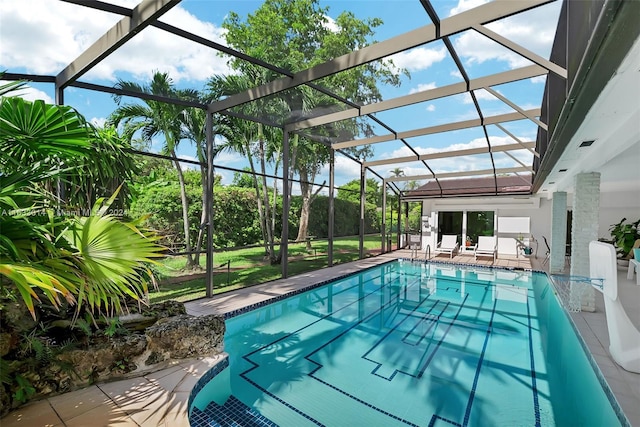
{"points": [[233, 413]]}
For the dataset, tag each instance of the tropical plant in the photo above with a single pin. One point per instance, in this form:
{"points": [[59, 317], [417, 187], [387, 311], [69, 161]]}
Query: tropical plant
{"points": [[254, 141], [351, 192], [110, 167], [158, 118], [396, 172], [47, 251], [624, 236], [267, 35]]}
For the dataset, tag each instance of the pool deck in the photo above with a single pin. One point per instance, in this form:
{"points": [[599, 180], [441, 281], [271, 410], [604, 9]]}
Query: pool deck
{"points": [[161, 398]]}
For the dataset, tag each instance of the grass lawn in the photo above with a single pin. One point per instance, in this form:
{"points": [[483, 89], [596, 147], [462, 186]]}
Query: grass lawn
{"points": [[248, 267]]}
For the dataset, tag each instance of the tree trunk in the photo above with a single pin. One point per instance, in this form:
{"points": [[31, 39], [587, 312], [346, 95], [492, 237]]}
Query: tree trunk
{"points": [[306, 188], [203, 217], [265, 195], [185, 211], [303, 230], [275, 193]]}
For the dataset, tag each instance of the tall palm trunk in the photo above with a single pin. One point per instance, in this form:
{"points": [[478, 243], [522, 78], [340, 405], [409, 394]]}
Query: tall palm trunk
{"points": [[275, 193], [308, 196], [265, 194], [185, 210], [203, 217]]}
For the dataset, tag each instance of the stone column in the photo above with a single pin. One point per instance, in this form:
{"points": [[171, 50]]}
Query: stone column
{"points": [[558, 232], [584, 229]]}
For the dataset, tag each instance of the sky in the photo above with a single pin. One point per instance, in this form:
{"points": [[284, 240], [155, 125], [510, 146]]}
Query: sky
{"points": [[43, 36]]}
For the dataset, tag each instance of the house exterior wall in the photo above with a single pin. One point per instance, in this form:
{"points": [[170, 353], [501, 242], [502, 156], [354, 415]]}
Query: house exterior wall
{"points": [[614, 205], [617, 205], [534, 207]]}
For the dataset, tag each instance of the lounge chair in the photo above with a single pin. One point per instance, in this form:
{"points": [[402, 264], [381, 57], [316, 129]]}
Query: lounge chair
{"points": [[487, 246], [448, 245]]}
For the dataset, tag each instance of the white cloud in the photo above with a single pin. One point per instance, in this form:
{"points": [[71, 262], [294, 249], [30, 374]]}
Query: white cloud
{"points": [[331, 25], [476, 49], [481, 94], [422, 87], [458, 163], [44, 36], [534, 30], [418, 59], [345, 170], [466, 5], [539, 79], [30, 94], [431, 107], [227, 157], [185, 165], [456, 73], [98, 121]]}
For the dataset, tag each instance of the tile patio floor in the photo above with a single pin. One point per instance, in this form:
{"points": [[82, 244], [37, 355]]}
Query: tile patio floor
{"points": [[160, 399]]}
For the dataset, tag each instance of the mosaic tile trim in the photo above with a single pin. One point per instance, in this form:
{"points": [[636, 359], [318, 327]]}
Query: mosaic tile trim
{"points": [[534, 386], [475, 266], [208, 376], [232, 413]]}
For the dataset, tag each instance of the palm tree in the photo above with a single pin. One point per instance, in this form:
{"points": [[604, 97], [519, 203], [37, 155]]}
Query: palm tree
{"points": [[92, 261], [253, 141], [397, 172], [194, 129], [158, 118]]}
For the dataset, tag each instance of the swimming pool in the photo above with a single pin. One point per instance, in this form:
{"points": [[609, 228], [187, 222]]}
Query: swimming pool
{"points": [[408, 344]]}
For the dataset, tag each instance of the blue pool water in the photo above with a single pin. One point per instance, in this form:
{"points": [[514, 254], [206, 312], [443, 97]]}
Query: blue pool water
{"points": [[408, 344]]}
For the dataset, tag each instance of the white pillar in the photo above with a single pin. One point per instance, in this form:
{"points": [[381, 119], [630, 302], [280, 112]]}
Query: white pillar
{"points": [[584, 228], [558, 231]]}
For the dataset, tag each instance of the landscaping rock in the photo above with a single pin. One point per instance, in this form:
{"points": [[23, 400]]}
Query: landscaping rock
{"points": [[96, 357], [187, 336]]}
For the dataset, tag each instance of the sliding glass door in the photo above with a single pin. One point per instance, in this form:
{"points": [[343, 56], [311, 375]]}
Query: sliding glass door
{"points": [[479, 223], [450, 223], [467, 225]]}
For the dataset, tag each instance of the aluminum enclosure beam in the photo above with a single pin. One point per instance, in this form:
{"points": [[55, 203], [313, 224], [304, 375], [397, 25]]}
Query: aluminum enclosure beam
{"points": [[515, 107], [460, 174], [516, 139], [142, 16], [483, 14], [427, 95], [456, 153], [501, 118], [556, 69]]}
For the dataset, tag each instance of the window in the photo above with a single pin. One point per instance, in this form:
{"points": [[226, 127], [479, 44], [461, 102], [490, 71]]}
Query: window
{"points": [[476, 223], [450, 223], [479, 223]]}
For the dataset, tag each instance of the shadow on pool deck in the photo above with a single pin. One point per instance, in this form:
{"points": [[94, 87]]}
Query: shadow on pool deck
{"points": [[160, 398]]}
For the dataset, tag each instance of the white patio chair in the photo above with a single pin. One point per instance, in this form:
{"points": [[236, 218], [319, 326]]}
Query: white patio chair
{"points": [[487, 246], [448, 245]]}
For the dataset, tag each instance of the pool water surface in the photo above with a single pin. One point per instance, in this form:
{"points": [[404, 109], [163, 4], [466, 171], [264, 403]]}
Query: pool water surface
{"points": [[408, 344]]}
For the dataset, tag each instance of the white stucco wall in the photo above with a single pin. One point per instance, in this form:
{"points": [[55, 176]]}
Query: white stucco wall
{"points": [[538, 209], [617, 205], [613, 207]]}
